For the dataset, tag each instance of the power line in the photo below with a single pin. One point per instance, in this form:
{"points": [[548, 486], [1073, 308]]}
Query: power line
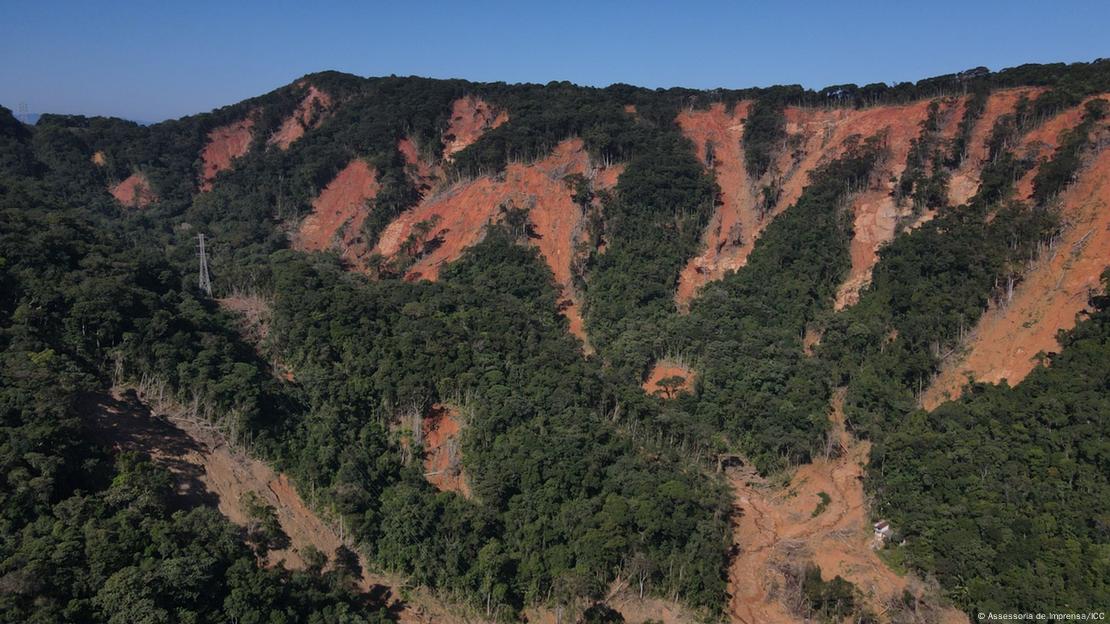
{"points": [[205, 282]]}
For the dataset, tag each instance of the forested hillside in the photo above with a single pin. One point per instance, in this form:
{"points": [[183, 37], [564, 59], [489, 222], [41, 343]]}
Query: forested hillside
{"points": [[464, 288]]}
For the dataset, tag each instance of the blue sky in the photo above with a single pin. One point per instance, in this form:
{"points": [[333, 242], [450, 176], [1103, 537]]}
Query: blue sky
{"points": [[156, 60]]}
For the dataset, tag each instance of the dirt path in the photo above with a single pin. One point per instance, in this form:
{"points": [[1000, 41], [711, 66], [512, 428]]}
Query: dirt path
{"points": [[208, 472], [781, 526]]}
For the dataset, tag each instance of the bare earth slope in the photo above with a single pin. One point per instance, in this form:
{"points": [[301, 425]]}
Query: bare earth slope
{"points": [[815, 137], [309, 114], [461, 213], [1007, 339], [965, 180], [225, 144], [338, 212], [134, 191], [471, 117]]}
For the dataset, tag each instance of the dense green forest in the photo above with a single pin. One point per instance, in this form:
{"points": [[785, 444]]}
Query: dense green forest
{"points": [[87, 536], [1003, 493], [578, 477]]}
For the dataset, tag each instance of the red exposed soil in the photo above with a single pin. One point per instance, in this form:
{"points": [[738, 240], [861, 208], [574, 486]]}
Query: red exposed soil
{"points": [[875, 223], [736, 223], [667, 368], [1007, 339], [811, 339], [607, 177], [952, 117], [471, 117], [816, 136], [99, 159], [774, 526], [310, 113], [134, 191], [965, 180], [1041, 143], [225, 144], [877, 216], [338, 212], [462, 212], [824, 132], [424, 175], [442, 451]]}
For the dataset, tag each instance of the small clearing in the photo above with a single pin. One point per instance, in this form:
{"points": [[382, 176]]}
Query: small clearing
{"points": [[134, 191], [670, 372], [442, 450], [255, 312]]}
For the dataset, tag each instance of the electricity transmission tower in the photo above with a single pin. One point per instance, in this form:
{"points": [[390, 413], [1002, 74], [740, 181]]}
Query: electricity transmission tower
{"points": [[205, 282]]}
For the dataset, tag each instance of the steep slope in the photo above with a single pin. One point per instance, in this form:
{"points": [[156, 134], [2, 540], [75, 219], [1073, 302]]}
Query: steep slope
{"points": [[736, 222], [965, 180], [338, 212], [442, 450], [1039, 144], [424, 175], [209, 472], [815, 136], [1007, 339], [877, 216], [310, 113], [225, 145], [471, 117], [435, 343], [442, 226]]}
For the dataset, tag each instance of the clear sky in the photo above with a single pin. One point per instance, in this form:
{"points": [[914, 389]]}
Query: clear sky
{"points": [[155, 60]]}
